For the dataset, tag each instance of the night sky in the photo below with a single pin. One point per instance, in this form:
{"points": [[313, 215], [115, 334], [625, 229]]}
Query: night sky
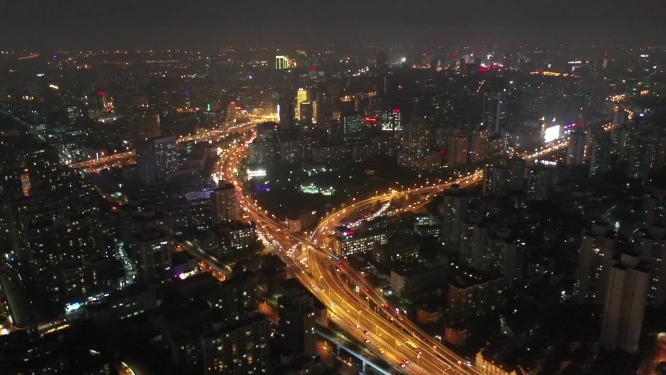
{"points": [[211, 23]]}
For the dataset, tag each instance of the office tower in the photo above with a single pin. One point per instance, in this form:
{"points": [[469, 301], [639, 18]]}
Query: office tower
{"points": [[576, 150], [307, 113], [597, 249], [362, 241], [281, 62], [286, 108], [157, 159], [100, 105], [352, 125], [302, 97], [624, 305], [225, 205], [600, 149], [322, 108], [391, 120]]}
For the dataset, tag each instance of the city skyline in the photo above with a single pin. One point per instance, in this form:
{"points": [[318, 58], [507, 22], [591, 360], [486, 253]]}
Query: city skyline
{"points": [[373, 188]]}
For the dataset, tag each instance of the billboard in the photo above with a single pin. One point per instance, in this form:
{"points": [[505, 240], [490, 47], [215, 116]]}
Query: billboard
{"points": [[551, 133]]}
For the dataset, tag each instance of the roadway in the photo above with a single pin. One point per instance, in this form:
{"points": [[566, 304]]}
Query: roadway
{"points": [[126, 158], [352, 302]]}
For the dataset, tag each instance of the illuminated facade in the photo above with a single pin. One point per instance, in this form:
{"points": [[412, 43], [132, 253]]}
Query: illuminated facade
{"points": [[302, 98], [225, 204], [281, 62], [359, 243], [391, 120]]}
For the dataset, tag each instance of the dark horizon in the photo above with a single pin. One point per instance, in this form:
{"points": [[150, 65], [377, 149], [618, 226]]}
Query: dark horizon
{"points": [[210, 24]]}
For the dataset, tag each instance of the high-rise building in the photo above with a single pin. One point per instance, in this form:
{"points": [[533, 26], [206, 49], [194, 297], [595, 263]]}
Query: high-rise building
{"points": [[600, 149], [307, 113], [597, 249], [286, 108], [299, 314], [624, 305], [652, 250], [213, 328], [418, 138], [473, 238], [492, 112], [351, 242], [539, 180], [282, 62], [149, 244], [322, 107], [495, 178], [230, 240], [60, 247], [157, 159], [146, 125], [302, 96], [153, 254], [391, 120], [576, 150], [225, 205], [454, 211], [471, 295], [642, 151], [238, 349], [457, 148], [654, 207], [352, 125], [478, 146], [515, 169]]}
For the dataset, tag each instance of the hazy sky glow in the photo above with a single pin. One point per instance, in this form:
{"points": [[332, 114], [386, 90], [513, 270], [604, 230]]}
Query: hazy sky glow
{"points": [[85, 23]]}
